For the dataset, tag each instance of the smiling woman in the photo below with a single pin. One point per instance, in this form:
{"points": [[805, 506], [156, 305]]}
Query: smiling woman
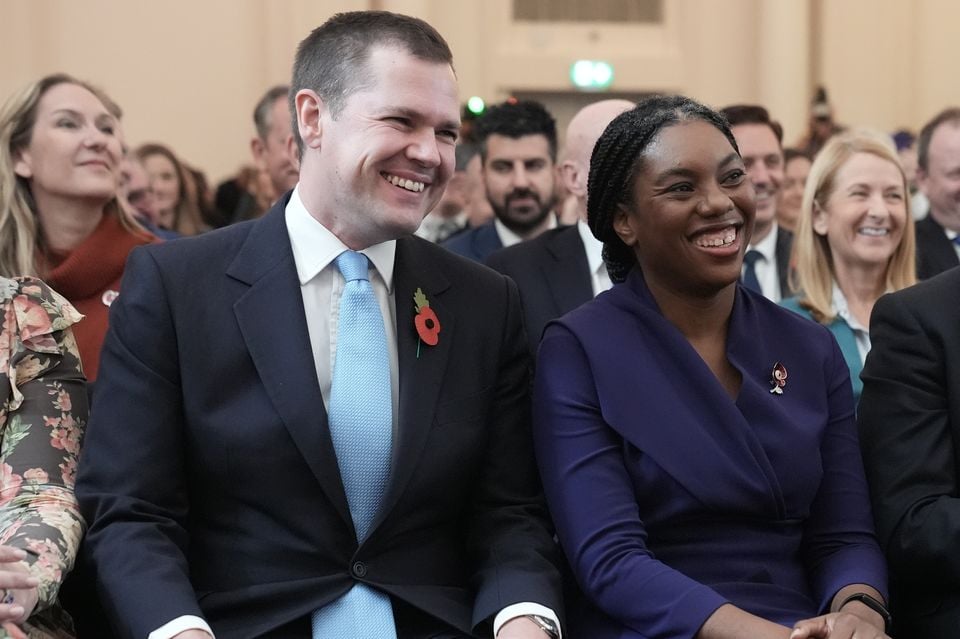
{"points": [[697, 442], [60, 218], [854, 241]]}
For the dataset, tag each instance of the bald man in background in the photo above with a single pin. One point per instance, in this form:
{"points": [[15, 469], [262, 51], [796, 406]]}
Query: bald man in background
{"points": [[563, 268]]}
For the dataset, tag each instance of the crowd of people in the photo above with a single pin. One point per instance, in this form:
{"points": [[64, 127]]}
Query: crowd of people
{"points": [[412, 375]]}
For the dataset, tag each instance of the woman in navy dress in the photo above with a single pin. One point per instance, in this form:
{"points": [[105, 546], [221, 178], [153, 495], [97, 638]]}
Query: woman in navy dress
{"points": [[697, 442]]}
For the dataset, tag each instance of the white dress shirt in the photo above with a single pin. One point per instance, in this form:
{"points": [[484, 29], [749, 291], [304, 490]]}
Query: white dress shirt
{"points": [[509, 238], [861, 333], [952, 236], [314, 250], [766, 267], [599, 277]]}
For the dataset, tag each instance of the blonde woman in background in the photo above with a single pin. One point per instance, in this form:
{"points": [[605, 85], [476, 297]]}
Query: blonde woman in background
{"points": [[854, 240], [60, 217]]}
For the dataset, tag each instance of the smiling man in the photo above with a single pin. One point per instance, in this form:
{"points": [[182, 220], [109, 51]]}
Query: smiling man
{"points": [[766, 264], [518, 149], [314, 424]]}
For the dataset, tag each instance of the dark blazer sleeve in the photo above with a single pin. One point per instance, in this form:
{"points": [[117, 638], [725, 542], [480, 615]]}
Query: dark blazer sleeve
{"points": [[509, 532], [907, 428], [594, 506], [839, 541], [131, 500]]}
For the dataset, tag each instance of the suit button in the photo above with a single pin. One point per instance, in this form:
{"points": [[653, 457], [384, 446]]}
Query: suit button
{"points": [[359, 569]]}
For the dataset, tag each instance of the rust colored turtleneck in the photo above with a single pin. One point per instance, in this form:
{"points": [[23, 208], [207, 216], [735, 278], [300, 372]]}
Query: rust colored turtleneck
{"points": [[88, 277]]}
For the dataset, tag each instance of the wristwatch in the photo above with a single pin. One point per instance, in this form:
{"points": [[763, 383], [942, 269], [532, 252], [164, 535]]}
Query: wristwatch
{"points": [[872, 604], [546, 625]]}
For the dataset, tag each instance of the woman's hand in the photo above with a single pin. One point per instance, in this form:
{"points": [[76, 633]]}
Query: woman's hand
{"points": [[18, 588], [838, 625]]}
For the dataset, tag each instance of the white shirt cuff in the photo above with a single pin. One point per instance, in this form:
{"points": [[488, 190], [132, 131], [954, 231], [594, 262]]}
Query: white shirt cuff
{"points": [[178, 625], [522, 610]]}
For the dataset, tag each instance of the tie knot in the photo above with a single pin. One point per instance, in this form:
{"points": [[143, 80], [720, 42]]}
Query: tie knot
{"points": [[752, 257], [956, 240], [352, 265]]}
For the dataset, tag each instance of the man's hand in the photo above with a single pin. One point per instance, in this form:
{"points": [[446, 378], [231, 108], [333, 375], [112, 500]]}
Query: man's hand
{"points": [[521, 628]]}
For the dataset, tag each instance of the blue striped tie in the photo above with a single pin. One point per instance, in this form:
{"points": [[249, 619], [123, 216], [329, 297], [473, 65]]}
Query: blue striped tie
{"points": [[361, 426]]}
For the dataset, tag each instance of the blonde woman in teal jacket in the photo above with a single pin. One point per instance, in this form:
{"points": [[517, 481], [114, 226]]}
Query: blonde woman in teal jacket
{"points": [[854, 240]]}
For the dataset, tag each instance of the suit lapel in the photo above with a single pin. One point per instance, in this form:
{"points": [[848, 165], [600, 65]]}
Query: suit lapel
{"points": [[274, 327], [420, 377], [568, 272]]}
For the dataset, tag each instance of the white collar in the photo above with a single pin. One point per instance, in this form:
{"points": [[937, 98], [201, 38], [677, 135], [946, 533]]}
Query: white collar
{"points": [[592, 246], [767, 247], [509, 238], [314, 246], [842, 309]]}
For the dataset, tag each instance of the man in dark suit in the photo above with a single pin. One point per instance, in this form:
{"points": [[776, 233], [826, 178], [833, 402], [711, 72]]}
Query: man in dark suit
{"points": [[767, 261], [563, 268], [221, 478], [938, 175], [909, 418], [518, 151]]}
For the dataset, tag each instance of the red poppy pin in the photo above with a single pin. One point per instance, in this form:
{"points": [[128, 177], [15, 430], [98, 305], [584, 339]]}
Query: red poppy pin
{"points": [[428, 326], [778, 378]]}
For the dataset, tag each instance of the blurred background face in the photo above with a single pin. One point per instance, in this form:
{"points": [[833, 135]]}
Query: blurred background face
{"points": [[273, 154], [74, 150], [763, 158], [941, 181], [864, 217], [135, 188], [165, 183], [520, 180], [795, 174]]}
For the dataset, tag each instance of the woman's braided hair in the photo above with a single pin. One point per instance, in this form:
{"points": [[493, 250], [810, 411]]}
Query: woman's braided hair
{"points": [[616, 161]]}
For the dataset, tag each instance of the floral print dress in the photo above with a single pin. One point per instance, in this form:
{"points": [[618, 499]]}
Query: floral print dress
{"points": [[43, 411]]}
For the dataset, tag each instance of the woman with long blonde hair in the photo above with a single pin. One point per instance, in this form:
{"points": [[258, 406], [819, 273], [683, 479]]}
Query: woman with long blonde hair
{"points": [[60, 217], [854, 240]]}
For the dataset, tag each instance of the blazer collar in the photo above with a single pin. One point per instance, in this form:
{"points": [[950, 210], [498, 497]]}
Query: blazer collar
{"points": [[274, 327]]}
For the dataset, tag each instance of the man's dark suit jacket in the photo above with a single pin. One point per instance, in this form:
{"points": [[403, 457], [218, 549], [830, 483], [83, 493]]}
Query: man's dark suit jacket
{"points": [[909, 420], [935, 252], [552, 273], [475, 243], [784, 247], [210, 482]]}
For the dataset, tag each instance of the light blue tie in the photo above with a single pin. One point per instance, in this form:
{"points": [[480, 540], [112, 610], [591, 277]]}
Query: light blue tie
{"points": [[361, 426]]}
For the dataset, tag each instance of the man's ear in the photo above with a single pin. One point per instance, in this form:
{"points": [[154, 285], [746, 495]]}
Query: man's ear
{"points": [[572, 178], [257, 148], [310, 110]]}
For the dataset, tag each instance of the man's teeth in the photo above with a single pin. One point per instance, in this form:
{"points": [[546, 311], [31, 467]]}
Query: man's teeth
{"points": [[873, 231], [716, 240], [409, 185]]}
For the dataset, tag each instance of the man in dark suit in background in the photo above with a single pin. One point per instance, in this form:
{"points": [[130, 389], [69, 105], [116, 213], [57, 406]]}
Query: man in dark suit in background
{"points": [[766, 265], [938, 175], [909, 418], [563, 268], [518, 151], [316, 420]]}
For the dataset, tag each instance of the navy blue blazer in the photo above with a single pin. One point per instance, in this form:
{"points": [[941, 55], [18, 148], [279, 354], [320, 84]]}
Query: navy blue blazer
{"points": [[935, 252], [210, 482], [475, 243], [669, 497], [552, 273]]}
